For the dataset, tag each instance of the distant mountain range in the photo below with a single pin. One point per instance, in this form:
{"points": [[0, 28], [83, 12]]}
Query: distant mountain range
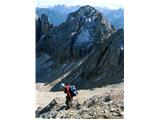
{"points": [[58, 14]]}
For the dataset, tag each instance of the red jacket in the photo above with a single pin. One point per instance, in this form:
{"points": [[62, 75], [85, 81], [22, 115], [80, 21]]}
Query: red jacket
{"points": [[67, 90]]}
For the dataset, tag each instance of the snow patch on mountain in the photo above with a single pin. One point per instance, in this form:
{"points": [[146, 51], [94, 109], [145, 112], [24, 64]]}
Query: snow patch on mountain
{"points": [[73, 33], [89, 19]]}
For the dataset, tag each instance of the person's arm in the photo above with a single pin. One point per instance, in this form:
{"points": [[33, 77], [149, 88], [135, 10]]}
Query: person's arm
{"points": [[70, 96], [69, 93]]}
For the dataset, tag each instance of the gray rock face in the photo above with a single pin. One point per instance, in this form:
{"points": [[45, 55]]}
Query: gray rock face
{"points": [[44, 24], [91, 30], [106, 64], [38, 29], [42, 27], [85, 50], [83, 30]]}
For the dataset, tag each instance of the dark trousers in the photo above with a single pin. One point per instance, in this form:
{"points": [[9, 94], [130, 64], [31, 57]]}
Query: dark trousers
{"points": [[68, 102]]}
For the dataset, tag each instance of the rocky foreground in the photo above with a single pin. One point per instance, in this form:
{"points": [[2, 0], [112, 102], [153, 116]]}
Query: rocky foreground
{"points": [[98, 103]]}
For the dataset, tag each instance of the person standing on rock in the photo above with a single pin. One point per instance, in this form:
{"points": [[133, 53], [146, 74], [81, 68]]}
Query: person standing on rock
{"points": [[71, 92]]}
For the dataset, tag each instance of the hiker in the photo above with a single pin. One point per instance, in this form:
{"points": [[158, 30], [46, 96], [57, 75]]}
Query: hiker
{"points": [[71, 92]]}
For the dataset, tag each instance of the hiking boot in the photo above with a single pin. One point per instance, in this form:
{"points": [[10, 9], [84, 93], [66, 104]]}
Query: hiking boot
{"points": [[67, 108]]}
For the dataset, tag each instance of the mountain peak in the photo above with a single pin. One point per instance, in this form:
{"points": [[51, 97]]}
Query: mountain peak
{"points": [[87, 14], [84, 49], [87, 11], [87, 8]]}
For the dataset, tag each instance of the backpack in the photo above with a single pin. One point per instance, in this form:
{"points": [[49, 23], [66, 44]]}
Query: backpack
{"points": [[73, 90]]}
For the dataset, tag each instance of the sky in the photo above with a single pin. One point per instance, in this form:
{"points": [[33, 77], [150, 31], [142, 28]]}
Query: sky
{"points": [[112, 4]]}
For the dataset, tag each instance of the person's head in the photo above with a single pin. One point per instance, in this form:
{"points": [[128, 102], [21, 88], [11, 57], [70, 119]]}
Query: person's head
{"points": [[62, 86]]}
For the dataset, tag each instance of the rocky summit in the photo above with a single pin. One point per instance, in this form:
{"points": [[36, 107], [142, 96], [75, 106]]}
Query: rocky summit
{"points": [[85, 50]]}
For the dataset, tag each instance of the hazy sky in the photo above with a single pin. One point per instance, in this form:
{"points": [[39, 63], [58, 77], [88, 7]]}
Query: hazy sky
{"points": [[112, 4]]}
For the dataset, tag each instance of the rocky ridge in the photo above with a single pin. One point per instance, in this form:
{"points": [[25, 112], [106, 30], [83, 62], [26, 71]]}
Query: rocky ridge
{"points": [[85, 50]]}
